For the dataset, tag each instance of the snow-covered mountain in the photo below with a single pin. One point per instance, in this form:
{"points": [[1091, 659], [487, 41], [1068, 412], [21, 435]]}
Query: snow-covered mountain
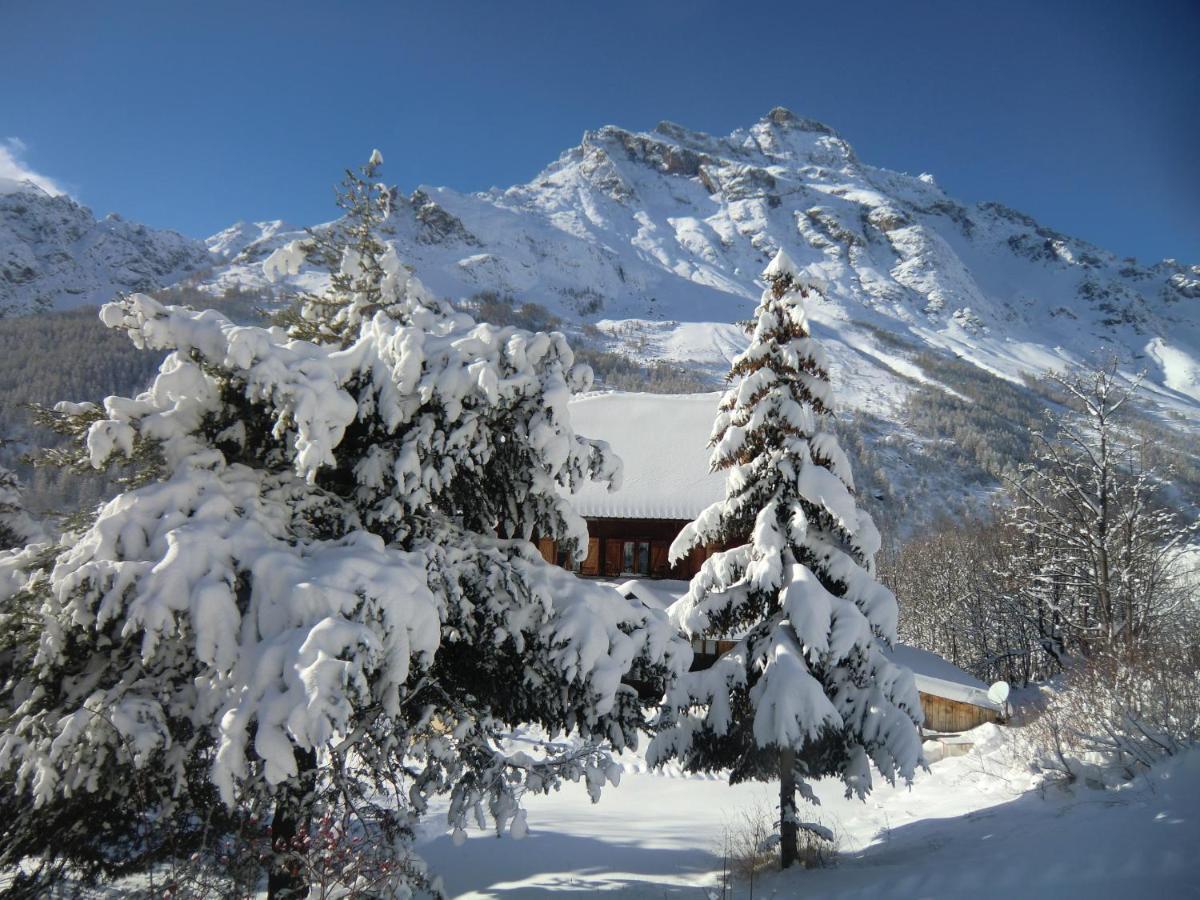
{"points": [[652, 244], [658, 239], [55, 254]]}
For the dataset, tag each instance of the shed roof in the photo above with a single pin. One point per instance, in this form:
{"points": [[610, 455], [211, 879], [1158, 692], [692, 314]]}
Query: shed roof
{"points": [[662, 440], [941, 678]]}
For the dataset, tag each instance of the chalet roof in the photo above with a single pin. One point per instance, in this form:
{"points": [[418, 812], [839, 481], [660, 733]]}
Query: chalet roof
{"points": [[662, 440]]}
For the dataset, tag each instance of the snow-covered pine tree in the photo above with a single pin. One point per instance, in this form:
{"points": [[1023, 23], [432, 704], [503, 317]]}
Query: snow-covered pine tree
{"points": [[352, 250], [315, 594], [17, 526], [807, 691]]}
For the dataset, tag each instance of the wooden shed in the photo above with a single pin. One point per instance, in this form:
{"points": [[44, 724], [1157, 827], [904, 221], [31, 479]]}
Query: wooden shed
{"points": [[953, 700]]}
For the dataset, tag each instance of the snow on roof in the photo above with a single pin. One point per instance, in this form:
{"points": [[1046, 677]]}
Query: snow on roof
{"points": [[941, 678], [662, 440]]}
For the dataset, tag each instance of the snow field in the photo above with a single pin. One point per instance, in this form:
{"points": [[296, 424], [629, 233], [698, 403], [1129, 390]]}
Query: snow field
{"points": [[977, 826]]}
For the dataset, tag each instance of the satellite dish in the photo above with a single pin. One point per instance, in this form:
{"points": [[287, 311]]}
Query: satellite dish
{"points": [[998, 692]]}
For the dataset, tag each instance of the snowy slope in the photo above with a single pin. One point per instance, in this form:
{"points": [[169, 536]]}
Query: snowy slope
{"points": [[54, 253], [658, 238]]}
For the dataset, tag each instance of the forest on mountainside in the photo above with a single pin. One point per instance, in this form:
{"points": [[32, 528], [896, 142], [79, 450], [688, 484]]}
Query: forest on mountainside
{"points": [[963, 432]]}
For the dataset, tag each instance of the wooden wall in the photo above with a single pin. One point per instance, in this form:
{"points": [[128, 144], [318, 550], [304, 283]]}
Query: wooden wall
{"points": [[945, 715], [706, 652], [606, 546]]}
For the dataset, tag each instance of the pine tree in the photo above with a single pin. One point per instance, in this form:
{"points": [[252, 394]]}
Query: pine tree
{"points": [[315, 596], [17, 526], [807, 691], [354, 252]]}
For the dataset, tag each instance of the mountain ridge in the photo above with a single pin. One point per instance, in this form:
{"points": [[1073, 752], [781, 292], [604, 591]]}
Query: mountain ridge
{"points": [[655, 240], [55, 253], [647, 248], [663, 234]]}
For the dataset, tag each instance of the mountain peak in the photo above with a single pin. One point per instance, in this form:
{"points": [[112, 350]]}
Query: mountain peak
{"points": [[22, 186], [783, 117], [686, 137], [235, 239]]}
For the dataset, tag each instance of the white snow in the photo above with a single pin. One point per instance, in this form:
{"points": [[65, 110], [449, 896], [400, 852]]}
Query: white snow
{"points": [[1179, 369], [662, 442], [972, 826], [657, 593], [235, 239]]}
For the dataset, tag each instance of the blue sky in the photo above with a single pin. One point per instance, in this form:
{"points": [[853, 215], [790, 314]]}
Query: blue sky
{"points": [[194, 115]]}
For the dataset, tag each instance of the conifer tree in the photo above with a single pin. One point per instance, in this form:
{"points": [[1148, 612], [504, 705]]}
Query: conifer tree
{"points": [[352, 250], [17, 526], [807, 691], [315, 596]]}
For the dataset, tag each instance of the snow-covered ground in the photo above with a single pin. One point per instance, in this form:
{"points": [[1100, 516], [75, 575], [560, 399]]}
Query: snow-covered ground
{"points": [[972, 826]]}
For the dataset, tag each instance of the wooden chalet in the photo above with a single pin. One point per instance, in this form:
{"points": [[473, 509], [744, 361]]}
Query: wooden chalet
{"points": [[662, 440]]}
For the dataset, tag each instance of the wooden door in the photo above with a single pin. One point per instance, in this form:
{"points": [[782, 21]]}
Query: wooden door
{"points": [[591, 565], [659, 567], [613, 556]]}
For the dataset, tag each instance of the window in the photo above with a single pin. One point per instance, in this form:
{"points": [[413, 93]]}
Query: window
{"points": [[636, 558]]}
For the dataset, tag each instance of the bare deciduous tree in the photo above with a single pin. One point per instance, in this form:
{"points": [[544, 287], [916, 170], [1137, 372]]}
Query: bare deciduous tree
{"points": [[1096, 545]]}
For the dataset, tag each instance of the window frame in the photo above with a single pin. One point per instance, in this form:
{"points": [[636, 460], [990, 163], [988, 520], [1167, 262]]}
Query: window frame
{"points": [[639, 554]]}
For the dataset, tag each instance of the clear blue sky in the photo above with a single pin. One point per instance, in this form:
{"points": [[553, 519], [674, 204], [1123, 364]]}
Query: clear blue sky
{"points": [[193, 115]]}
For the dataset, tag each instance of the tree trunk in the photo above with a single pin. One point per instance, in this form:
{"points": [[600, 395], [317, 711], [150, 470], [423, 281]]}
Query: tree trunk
{"points": [[286, 879], [788, 825]]}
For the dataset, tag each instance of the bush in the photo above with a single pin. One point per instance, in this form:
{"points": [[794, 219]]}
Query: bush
{"points": [[750, 847], [1114, 715]]}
